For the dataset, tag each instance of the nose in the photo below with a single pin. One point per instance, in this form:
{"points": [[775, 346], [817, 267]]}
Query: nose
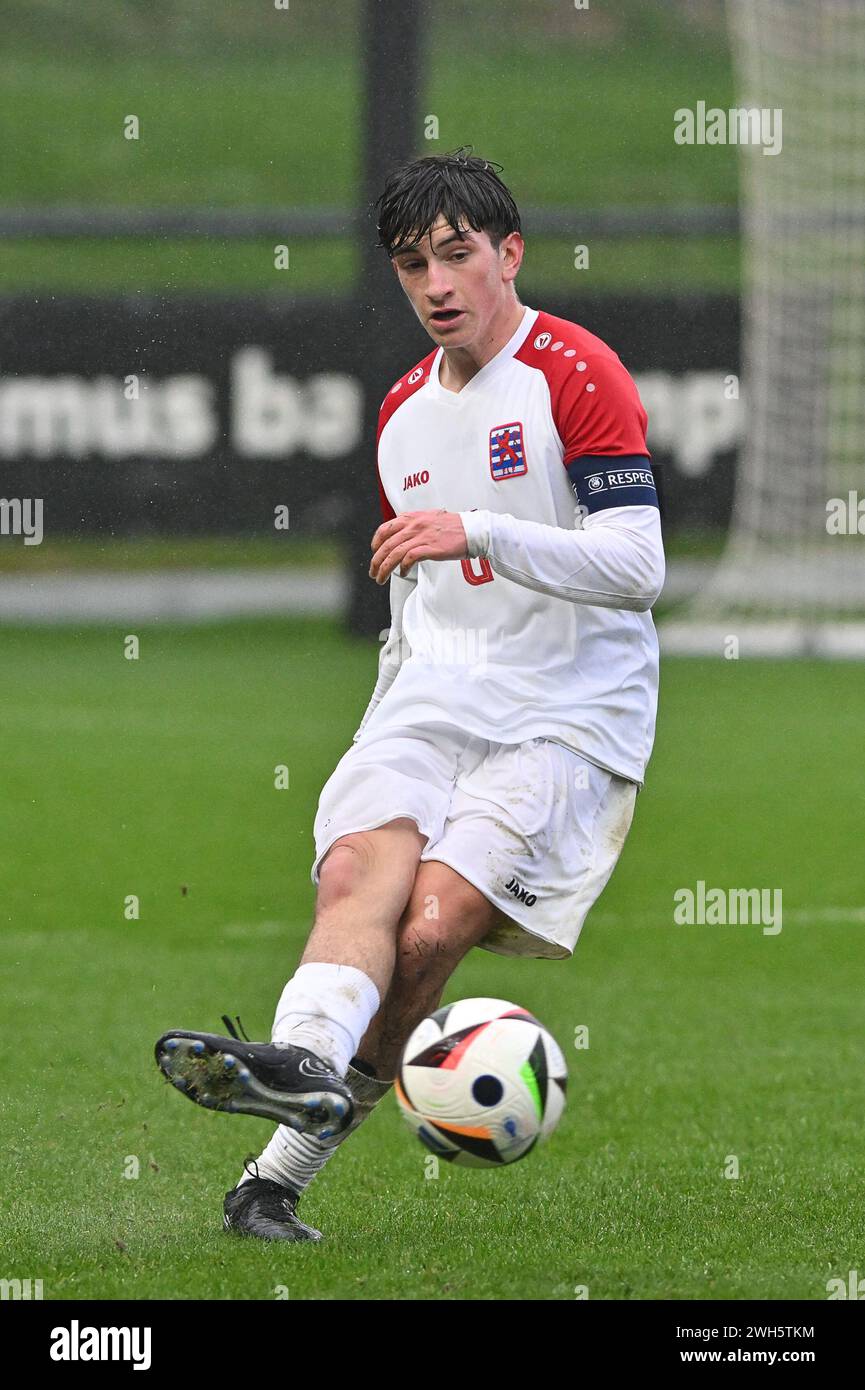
{"points": [[438, 284]]}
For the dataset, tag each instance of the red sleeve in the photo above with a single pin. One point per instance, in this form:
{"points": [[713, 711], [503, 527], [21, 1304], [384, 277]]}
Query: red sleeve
{"points": [[384, 414], [597, 409], [401, 391]]}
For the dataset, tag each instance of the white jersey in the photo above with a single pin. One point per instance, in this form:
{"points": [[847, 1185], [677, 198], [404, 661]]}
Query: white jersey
{"points": [[544, 443]]}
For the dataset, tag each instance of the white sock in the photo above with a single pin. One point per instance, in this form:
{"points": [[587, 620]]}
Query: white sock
{"points": [[294, 1159], [326, 1009]]}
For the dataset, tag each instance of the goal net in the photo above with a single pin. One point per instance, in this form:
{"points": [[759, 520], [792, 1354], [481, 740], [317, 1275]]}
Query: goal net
{"points": [[792, 577]]}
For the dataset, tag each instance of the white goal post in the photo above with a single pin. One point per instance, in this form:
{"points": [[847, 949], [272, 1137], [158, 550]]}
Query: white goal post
{"points": [[792, 578]]}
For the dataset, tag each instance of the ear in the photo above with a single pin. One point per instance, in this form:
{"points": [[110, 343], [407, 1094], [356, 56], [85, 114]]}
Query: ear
{"points": [[512, 250]]}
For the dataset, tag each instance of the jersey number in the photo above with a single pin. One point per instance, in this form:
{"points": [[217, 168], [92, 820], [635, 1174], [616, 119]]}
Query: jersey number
{"points": [[471, 577]]}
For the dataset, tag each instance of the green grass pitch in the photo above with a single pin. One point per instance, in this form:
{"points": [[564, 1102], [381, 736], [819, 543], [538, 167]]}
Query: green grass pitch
{"points": [[155, 777], [275, 122]]}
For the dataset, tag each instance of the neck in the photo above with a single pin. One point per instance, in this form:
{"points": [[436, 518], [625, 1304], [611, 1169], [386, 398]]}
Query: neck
{"points": [[459, 365]]}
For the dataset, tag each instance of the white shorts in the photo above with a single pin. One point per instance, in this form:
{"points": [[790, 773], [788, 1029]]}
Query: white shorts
{"points": [[534, 826]]}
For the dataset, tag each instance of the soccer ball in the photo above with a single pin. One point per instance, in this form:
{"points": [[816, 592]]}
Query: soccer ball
{"points": [[480, 1082]]}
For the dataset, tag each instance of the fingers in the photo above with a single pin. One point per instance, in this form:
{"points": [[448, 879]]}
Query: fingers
{"points": [[386, 529], [391, 540], [394, 554], [410, 537], [390, 528], [403, 555]]}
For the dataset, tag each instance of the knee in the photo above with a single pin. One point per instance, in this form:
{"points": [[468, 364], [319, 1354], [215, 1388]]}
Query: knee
{"points": [[376, 865], [344, 869]]}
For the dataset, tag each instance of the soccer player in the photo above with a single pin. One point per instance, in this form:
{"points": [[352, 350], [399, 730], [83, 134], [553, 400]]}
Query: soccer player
{"points": [[491, 784]]}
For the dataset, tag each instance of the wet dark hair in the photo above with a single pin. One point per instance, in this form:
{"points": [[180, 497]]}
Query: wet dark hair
{"points": [[460, 186]]}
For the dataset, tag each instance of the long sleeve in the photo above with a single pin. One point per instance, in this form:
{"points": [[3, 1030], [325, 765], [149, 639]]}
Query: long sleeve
{"points": [[615, 561], [393, 652]]}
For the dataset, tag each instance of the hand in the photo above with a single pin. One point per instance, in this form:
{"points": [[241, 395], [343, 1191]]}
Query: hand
{"points": [[416, 536]]}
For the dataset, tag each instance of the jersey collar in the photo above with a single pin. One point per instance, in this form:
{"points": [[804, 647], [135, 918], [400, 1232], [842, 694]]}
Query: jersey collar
{"points": [[513, 345]]}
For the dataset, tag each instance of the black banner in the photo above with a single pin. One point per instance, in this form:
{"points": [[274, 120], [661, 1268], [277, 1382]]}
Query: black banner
{"points": [[194, 415]]}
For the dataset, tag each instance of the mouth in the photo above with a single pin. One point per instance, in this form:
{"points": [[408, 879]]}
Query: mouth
{"points": [[444, 318]]}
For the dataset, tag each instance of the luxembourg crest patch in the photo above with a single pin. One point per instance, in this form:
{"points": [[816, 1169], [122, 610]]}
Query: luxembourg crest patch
{"points": [[507, 452]]}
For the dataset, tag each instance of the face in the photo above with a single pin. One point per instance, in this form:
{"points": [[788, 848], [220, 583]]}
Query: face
{"points": [[458, 285]]}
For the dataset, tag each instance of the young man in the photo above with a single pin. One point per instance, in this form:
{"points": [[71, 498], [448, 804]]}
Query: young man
{"points": [[491, 784]]}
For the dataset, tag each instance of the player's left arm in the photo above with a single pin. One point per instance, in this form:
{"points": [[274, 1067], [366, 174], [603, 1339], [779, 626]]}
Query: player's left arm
{"points": [[616, 559]]}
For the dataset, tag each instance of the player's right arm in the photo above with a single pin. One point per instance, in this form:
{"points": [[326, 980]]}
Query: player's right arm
{"points": [[394, 650]]}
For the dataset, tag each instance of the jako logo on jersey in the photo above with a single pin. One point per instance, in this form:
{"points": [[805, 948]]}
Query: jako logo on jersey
{"points": [[415, 375], [415, 479], [507, 452], [521, 894], [543, 340]]}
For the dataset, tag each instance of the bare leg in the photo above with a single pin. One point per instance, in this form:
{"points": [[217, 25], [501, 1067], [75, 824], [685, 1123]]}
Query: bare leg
{"points": [[365, 880], [429, 948]]}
